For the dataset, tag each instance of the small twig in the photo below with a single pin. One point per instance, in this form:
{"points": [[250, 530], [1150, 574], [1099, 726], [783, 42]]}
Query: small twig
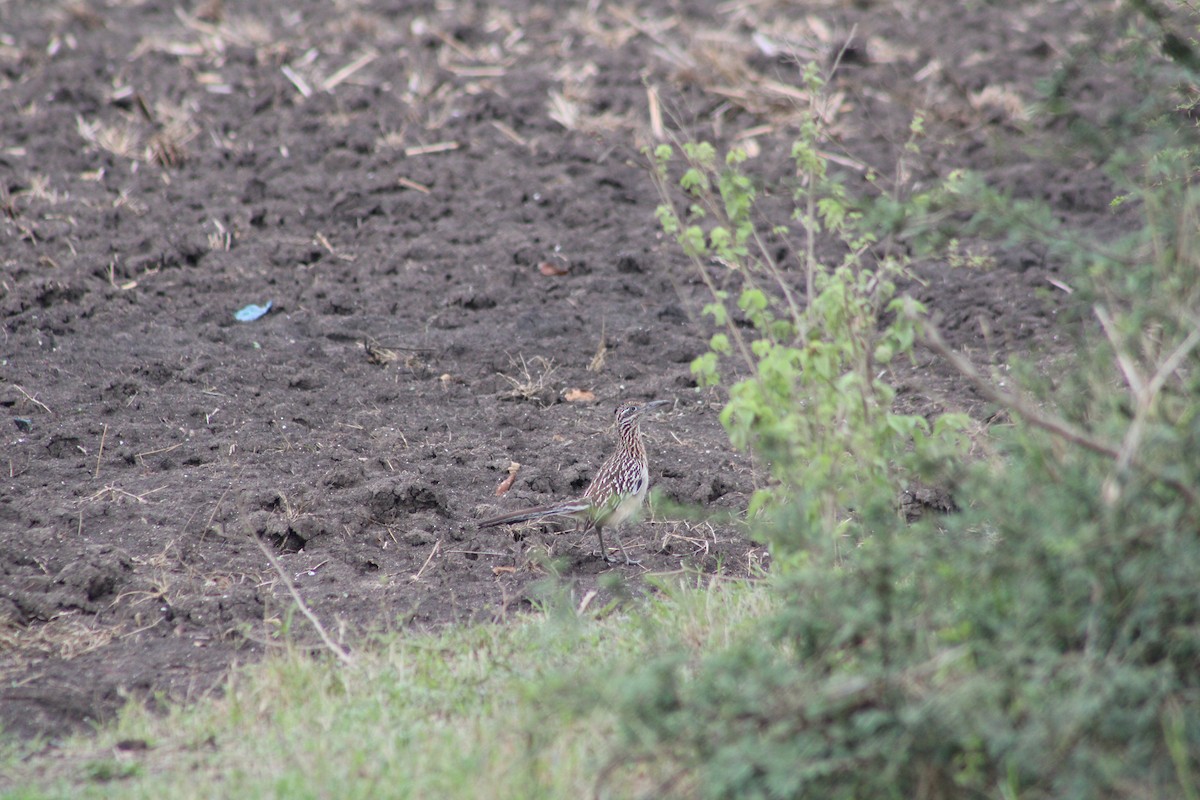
{"points": [[510, 134], [33, 399], [297, 81], [484, 71], [411, 184], [436, 546], [585, 602], [656, 117], [1132, 377], [100, 452], [345, 72], [454, 45], [323, 240], [333, 646], [217, 506], [428, 149], [597, 362], [159, 450], [311, 570], [113, 490]]}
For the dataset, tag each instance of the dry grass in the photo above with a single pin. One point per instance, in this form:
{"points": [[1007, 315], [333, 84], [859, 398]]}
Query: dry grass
{"points": [[220, 239], [717, 56], [41, 190], [601, 355], [121, 139], [67, 635], [160, 137], [532, 381]]}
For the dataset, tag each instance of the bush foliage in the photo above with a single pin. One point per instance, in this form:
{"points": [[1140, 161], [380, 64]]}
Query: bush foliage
{"points": [[1043, 641]]}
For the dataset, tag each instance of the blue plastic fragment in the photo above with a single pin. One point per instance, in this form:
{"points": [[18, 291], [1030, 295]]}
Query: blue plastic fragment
{"points": [[252, 312]]}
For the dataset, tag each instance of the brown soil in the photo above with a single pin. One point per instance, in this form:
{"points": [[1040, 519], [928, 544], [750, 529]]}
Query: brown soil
{"points": [[397, 178]]}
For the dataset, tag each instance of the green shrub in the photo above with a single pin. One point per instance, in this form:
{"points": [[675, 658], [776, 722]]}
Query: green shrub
{"points": [[813, 398], [1042, 642]]}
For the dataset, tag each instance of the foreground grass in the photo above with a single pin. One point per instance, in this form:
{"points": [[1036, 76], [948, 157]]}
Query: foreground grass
{"points": [[483, 711]]}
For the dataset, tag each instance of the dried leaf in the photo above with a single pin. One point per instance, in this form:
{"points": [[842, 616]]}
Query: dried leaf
{"points": [[506, 484], [551, 270]]}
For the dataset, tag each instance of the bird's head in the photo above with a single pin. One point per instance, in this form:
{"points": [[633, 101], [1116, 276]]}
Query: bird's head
{"points": [[628, 413]]}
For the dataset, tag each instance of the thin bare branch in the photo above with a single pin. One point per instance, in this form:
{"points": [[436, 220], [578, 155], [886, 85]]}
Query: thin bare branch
{"points": [[1173, 361], [333, 646], [1039, 418], [1145, 392], [33, 399], [436, 546], [1132, 376], [100, 453], [1035, 416]]}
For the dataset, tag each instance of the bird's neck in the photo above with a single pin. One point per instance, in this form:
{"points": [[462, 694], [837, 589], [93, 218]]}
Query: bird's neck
{"points": [[631, 437]]}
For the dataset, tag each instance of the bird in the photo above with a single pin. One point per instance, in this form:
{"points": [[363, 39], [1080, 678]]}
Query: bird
{"points": [[615, 494]]}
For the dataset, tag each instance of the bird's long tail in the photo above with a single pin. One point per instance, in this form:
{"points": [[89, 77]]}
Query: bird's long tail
{"points": [[563, 509]]}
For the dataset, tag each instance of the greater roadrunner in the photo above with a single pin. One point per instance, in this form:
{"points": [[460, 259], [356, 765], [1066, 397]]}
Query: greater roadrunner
{"points": [[614, 495]]}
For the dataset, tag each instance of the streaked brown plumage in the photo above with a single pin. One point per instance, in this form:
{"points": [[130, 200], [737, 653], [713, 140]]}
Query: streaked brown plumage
{"points": [[615, 494]]}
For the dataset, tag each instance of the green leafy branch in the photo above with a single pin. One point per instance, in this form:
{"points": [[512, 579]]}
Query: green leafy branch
{"points": [[815, 402]]}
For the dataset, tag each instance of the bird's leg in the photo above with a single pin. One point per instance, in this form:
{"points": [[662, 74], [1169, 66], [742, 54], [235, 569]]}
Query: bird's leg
{"points": [[603, 551], [629, 561]]}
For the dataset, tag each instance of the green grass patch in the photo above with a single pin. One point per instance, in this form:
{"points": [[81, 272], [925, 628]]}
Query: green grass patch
{"points": [[484, 711]]}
